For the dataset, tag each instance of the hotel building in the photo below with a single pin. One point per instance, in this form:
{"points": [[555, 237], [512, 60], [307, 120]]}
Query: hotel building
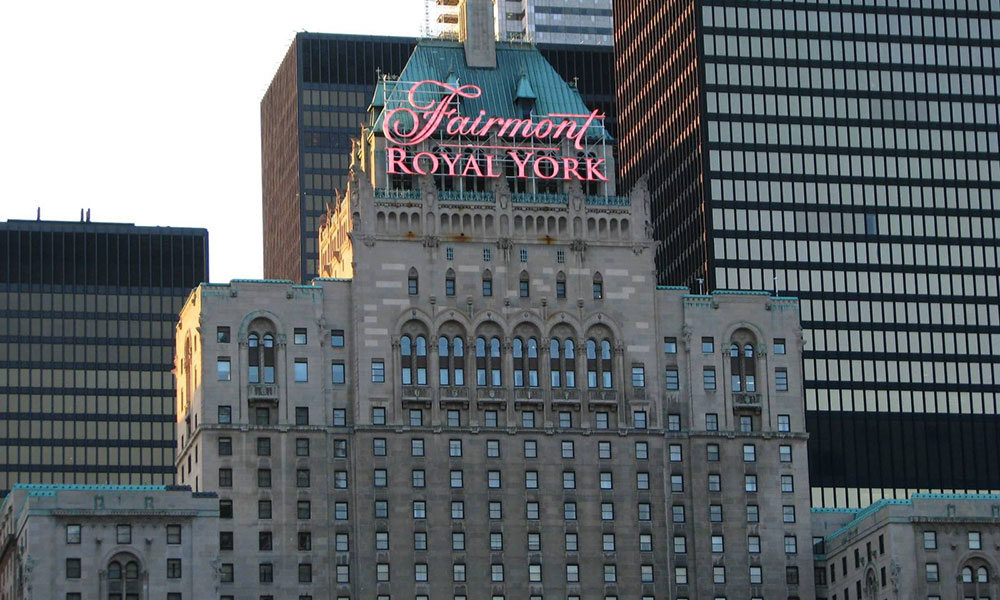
{"points": [[488, 397], [847, 154]]}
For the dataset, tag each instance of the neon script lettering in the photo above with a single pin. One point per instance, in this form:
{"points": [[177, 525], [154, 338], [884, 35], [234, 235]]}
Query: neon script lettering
{"points": [[426, 118]]}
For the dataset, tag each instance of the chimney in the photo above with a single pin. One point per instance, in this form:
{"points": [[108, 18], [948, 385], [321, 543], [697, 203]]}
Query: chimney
{"points": [[477, 31]]}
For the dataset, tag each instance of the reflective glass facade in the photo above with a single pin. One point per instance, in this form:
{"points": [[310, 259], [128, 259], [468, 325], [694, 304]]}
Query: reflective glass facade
{"points": [[87, 315], [315, 105], [847, 154]]}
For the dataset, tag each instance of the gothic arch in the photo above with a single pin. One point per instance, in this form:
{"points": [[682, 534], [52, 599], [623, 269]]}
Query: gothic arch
{"points": [[279, 327]]}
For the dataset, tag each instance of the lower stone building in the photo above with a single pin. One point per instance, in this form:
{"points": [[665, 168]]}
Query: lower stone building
{"points": [[89, 542], [930, 547]]}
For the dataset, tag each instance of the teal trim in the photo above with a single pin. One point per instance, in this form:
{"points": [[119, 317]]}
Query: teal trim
{"points": [[674, 287], [609, 201], [287, 281], [955, 496], [391, 194], [339, 279], [697, 297], [307, 287], [524, 198], [59, 487], [739, 293], [864, 513], [218, 285], [457, 196]]}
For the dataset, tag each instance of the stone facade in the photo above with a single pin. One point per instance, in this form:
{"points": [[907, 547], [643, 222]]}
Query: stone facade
{"points": [[83, 542], [933, 546]]}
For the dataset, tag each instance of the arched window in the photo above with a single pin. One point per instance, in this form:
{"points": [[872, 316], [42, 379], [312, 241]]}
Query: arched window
{"points": [[525, 362], [606, 364], [412, 282], [555, 364], [444, 361], [598, 287], [562, 363], [975, 580], [599, 369], [482, 361], [123, 580], [967, 575], [487, 283], [449, 283], [268, 352], [458, 360], [519, 362], [560, 285], [569, 363], [421, 361], [743, 362], [253, 350], [524, 285], [982, 575], [496, 374], [488, 362], [406, 359]]}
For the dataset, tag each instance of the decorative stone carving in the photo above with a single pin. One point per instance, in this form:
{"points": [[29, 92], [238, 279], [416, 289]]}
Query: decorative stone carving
{"points": [[431, 241]]}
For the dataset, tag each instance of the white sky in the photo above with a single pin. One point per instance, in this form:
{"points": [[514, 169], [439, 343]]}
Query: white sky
{"points": [[149, 112]]}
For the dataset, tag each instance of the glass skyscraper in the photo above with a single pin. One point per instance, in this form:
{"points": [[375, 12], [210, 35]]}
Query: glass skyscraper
{"points": [[87, 316], [846, 154]]}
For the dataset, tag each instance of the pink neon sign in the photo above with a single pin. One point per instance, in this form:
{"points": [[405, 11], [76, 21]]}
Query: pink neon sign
{"points": [[408, 126]]}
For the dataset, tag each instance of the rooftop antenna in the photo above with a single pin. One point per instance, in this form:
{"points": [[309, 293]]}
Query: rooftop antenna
{"points": [[701, 286], [88, 215], [81, 215], [38, 214]]}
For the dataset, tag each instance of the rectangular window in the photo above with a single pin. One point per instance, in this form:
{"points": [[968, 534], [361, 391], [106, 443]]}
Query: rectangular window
{"points": [[714, 482], [708, 345], [530, 449], [645, 511], [338, 373], [173, 568], [749, 453], [791, 544], [781, 380], [676, 453], [226, 573], [337, 338], [340, 511], [495, 510], [677, 513], [222, 335], [173, 534], [779, 345], [931, 573], [718, 544], [673, 379], [565, 419], [457, 541], [305, 573], [756, 575], [455, 448], [265, 541], [123, 534], [975, 541], [416, 447], [456, 479], [73, 534], [641, 450], [787, 484], [378, 370], [753, 544], [567, 449], [487, 287], [449, 253], [302, 478], [677, 483], [753, 513], [670, 345], [531, 511], [785, 453], [223, 369], [569, 511], [490, 418], [225, 446], [301, 415], [419, 540], [263, 446], [560, 256], [339, 448], [708, 378], [680, 544], [225, 415], [602, 420], [788, 514], [299, 336], [784, 423], [416, 417], [493, 480], [638, 376], [639, 419], [378, 415], [380, 478], [531, 480], [712, 452], [715, 513], [263, 509], [301, 370], [378, 447], [711, 422]]}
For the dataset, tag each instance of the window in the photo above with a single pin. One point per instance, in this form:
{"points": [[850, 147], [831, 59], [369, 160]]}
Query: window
{"points": [[226, 573], [680, 544], [301, 446], [604, 449], [708, 345], [714, 482], [302, 478], [749, 453], [301, 415], [676, 453], [378, 415], [263, 446], [784, 423], [340, 511], [779, 345], [610, 573], [378, 447], [677, 513], [930, 540], [225, 415], [265, 572], [301, 370], [381, 509], [449, 283], [222, 369], [454, 448], [572, 573], [718, 544], [569, 511], [412, 282], [337, 372], [496, 573], [712, 452], [753, 513], [565, 419], [646, 573], [524, 255], [493, 480], [73, 535], [788, 514], [416, 417], [534, 573], [337, 338], [931, 572], [263, 509], [530, 449], [560, 255], [449, 253], [718, 574], [299, 336], [486, 255], [787, 484], [781, 380], [569, 480], [458, 572], [534, 542], [531, 480], [419, 540], [560, 285], [305, 573], [453, 418], [785, 453], [599, 364], [673, 379], [123, 534], [225, 446], [673, 422], [173, 534], [708, 378], [975, 541], [72, 568], [524, 285], [792, 576], [487, 282], [753, 544], [528, 419], [677, 483], [791, 544], [756, 575], [222, 335], [265, 541], [225, 509], [746, 424], [457, 540], [681, 575], [711, 422], [645, 511], [456, 478], [304, 542], [598, 287], [458, 509], [416, 447], [639, 420], [378, 370], [638, 376], [743, 364], [532, 511], [343, 574], [567, 449], [715, 513]]}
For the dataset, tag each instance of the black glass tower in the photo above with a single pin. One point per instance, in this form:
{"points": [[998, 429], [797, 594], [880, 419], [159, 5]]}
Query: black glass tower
{"points": [[87, 316], [314, 107], [845, 153]]}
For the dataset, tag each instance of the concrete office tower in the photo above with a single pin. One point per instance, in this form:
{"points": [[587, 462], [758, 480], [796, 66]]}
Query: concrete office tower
{"points": [[931, 546], [87, 316], [83, 542], [849, 155], [317, 102], [492, 399], [578, 22]]}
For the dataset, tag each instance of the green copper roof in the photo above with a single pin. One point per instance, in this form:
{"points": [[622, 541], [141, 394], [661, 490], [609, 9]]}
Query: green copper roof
{"points": [[521, 72]]}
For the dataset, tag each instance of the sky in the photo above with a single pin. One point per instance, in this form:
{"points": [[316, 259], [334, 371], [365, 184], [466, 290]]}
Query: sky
{"points": [[149, 112]]}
